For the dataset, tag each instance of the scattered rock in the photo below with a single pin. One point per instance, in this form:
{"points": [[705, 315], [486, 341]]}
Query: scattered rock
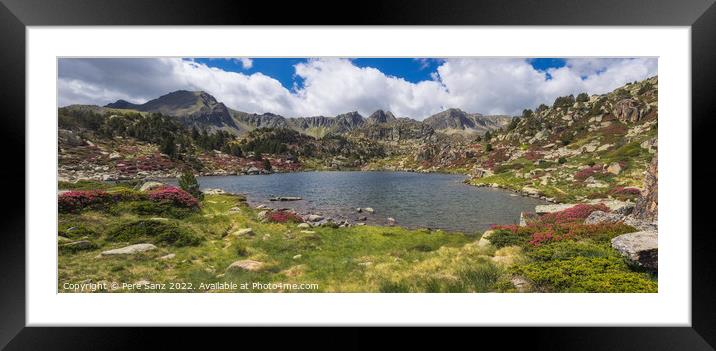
{"points": [[129, 250], [245, 265], [168, 257], [304, 226], [521, 284], [79, 245], [627, 110], [244, 232], [597, 217], [362, 218], [369, 210], [234, 210], [261, 207], [614, 168], [391, 221], [308, 232], [639, 247], [262, 215], [297, 257], [160, 219], [63, 240], [266, 237]]}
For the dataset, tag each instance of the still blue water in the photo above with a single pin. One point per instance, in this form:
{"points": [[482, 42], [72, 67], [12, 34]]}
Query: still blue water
{"points": [[414, 200]]}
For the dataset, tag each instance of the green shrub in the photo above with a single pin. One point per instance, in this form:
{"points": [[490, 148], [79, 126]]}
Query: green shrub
{"points": [[150, 208], [562, 250], [84, 185], [586, 274], [562, 160], [501, 238], [582, 97], [388, 286], [159, 232]]}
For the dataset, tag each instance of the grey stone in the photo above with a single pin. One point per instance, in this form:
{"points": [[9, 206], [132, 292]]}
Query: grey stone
{"points": [[245, 265], [639, 247], [130, 250]]}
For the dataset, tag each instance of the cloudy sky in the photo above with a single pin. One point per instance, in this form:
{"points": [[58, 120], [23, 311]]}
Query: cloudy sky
{"points": [[409, 87]]}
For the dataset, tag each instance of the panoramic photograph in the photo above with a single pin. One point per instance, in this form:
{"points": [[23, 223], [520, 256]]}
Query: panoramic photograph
{"points": [[357, 174]]}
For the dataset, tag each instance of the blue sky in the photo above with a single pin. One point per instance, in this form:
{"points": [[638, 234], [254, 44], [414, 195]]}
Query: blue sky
{"points": [[413, 70], [294, 87]]}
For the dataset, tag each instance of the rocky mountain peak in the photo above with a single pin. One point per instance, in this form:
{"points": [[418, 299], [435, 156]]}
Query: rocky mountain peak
{"points": [[381, 116]]}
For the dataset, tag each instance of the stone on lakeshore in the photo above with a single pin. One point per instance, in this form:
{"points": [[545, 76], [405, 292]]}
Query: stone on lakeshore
{"points": [[211, 191], [129, 250], [150, 185], [304, 226], [245, 265], [369, 210], [314, 218], [262, 215], [639, 247], [485, 238]]}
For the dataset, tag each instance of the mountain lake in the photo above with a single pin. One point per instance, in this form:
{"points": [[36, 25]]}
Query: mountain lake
{"points": [[414, 200]]}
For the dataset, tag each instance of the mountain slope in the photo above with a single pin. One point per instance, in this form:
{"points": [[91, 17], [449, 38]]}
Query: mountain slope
{"points": [[195, 108], [457, 121]]}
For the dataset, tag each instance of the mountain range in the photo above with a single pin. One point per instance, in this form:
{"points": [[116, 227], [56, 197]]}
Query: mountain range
{"points": [[200, 109]]}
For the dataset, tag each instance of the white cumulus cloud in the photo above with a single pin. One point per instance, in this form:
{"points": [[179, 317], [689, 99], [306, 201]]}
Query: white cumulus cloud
{"points": [[332, 86]]}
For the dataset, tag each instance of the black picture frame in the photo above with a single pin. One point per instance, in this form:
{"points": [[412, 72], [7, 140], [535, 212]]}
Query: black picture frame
{"points": [[700, 15]]}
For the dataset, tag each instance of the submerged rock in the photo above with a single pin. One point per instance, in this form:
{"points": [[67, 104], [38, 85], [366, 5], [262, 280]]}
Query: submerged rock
{"points": [[285, 198]]}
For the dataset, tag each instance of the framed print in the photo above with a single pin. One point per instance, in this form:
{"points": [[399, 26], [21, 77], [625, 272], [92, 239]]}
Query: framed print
{"points": [[456, 165]]}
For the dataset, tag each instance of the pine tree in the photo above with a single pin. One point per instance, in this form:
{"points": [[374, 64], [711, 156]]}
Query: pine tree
{"points": [[188, 183]]}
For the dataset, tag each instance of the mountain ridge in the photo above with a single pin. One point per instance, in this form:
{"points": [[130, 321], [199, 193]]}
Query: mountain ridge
{"points": [[201, 109]]}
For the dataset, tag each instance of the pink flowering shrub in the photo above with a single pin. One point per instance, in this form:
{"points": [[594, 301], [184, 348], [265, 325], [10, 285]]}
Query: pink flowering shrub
{"points": [[558, 226], [173, 195], [533, 155], [587, 172], [76, 200], [283, 217], [620, 190], [575, 213], [623, 193]]}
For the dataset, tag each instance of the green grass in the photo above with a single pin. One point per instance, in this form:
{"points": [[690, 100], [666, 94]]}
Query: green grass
{"points": [[360, 258], [353, 259]]}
